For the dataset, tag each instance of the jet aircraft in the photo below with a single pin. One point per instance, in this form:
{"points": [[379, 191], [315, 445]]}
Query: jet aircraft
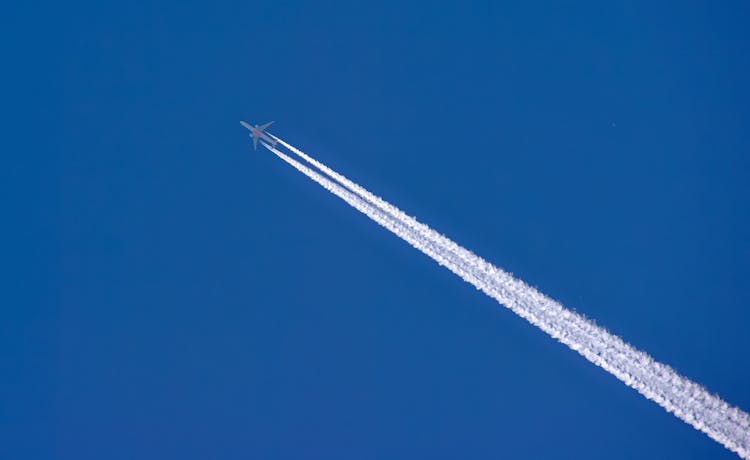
{"points": [[256, 132]]}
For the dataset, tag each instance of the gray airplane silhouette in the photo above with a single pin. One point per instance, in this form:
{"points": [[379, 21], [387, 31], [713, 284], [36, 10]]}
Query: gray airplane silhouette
{"points": [[256, 132]]}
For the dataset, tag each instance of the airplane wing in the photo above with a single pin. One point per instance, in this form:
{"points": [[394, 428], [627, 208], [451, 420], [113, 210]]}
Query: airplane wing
{"points": [[262, 127], [255, 143]]}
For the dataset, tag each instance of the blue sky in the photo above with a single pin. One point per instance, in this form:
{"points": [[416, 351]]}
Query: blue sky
{"points": [[175, 294]]}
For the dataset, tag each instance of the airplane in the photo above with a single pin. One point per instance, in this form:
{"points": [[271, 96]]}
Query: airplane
{"points": [[256, 132]]}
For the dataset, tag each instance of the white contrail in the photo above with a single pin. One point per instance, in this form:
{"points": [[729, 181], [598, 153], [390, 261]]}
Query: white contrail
{"points": [[687, 400]]}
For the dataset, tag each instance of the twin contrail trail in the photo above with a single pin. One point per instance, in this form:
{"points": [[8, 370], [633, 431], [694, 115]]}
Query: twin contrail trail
{"points": [[658, 382]]}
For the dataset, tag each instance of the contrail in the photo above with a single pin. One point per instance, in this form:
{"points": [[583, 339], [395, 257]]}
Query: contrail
{"points": [[689, 401]]}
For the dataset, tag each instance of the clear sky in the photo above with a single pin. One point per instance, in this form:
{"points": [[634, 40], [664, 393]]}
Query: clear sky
{"points": [[174, 294]]}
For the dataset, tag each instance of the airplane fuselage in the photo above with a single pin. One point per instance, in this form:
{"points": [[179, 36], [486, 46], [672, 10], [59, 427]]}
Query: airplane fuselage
{"points": [[256, 132]]}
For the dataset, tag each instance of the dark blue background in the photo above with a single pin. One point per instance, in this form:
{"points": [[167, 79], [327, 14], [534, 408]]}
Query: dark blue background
{"points": [[173, 294]]}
